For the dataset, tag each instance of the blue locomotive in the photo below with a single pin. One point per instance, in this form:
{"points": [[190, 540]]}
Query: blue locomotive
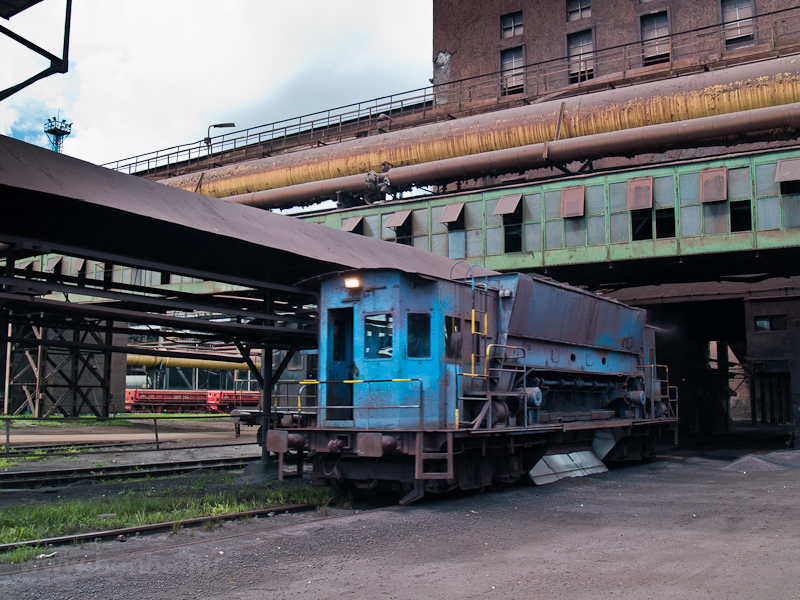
{"points": [[429, 385]]}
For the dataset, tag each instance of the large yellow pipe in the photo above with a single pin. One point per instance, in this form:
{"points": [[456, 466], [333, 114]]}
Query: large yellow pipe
{"points": [[139, 360], [734, 89]]}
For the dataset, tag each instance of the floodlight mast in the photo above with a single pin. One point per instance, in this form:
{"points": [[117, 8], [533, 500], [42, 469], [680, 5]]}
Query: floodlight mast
{"points": [[57, 131]]}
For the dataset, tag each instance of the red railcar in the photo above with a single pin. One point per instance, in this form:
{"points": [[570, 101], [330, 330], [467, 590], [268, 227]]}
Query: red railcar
{"points": [[227, 400], [158, 401]]}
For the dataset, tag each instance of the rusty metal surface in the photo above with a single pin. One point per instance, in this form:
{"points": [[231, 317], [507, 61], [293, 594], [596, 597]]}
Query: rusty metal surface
{"points": [[743, 87], [518, 160], [49, 196]]}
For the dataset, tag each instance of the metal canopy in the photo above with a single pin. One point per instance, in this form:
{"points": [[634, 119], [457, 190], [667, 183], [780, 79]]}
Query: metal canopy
{"points": [[55, 198], [788, 170], [398, 219], [351, 223], [452, 212], [69, 232], [507, 205]]}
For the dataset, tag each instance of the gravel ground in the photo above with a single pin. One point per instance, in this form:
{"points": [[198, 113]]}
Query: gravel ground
{"points": [[675, 528]]}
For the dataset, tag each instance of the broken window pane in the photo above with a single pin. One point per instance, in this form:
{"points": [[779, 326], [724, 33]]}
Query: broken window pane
{"points": [[715, 217], [596, 229], [378, 336], [768, 214], [741, 218], [665, 223], [575, 232], [553, 235], [642, 225]]}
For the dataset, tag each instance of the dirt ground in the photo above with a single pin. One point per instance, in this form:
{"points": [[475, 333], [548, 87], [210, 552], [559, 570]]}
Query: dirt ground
{"points": [[714, 526]]}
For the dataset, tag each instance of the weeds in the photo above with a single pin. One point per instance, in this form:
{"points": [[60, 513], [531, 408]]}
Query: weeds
{"points": [[20, 554], [145, 507]]}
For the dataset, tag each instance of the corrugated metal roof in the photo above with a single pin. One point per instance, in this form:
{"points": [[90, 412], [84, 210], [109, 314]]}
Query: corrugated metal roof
{"points": [[54, 197], [9, 8]]}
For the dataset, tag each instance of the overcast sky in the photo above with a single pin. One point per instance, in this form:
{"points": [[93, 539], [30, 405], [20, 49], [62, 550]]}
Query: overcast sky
{"points": [[150, 74]]}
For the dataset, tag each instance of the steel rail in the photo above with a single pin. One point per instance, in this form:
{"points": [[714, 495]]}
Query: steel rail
{"points": [[93, 448], [62, 476], [69, 539]]}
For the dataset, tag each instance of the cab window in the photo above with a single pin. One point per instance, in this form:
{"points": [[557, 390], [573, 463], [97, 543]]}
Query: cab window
{"points": [[419, 336], [378, 336]]}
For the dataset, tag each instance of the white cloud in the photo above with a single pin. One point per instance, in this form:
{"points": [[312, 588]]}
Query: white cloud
{"points": [[148, 74]]}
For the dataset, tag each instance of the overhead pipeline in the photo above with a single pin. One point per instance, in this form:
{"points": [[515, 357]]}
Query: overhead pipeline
{"points": [[734, 89], [516, 160], [139, 360]]}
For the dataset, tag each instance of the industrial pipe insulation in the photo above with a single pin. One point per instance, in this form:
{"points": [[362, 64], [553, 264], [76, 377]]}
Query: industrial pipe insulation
{"points": [[139, 360], [618, 143], [734, 89]]}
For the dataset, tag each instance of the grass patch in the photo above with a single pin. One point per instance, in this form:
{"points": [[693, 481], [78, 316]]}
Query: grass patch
{"points": [[21, 554], [143, 507]]}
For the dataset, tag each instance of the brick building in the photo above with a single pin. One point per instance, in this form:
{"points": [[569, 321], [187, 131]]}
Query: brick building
{"points": [[572, 38]]}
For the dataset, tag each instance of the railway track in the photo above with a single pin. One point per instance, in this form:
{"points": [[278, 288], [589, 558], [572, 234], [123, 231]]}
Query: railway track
{"points": [[116, 533], [103, 448], [16, 480]]}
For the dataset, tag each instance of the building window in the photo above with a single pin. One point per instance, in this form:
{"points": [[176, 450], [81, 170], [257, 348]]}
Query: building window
{"points": [[651, 202], [511, 25], [578, 9], [510, 207], [771, 323], [737, 23], [655, 38], [581, 56], [511, 70]]}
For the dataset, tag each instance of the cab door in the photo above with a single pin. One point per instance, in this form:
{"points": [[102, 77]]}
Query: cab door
{"points": [[340, 365]]}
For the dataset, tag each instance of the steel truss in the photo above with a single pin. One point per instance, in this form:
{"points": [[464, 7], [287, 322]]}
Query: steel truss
{"points": [[60, 326]]}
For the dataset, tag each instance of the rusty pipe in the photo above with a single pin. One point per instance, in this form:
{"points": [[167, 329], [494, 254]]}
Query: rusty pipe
{"points": [[303, 193], [739, 88], [140, 360], [619, 143]]}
